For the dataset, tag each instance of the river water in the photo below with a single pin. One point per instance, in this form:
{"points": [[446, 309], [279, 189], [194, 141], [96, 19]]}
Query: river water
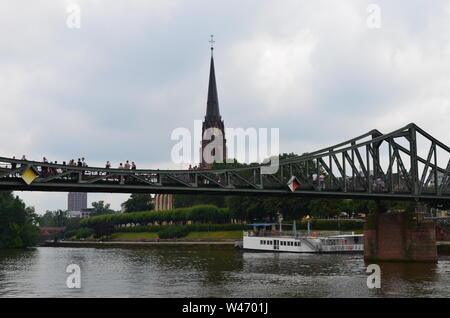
{"points": [[209, 271]]}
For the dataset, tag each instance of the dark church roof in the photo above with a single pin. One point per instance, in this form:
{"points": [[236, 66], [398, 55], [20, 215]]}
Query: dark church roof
{"points": [[212, 110]]}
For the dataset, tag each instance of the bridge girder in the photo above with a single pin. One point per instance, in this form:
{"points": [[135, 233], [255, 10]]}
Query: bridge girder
{"points": [[370, 166]]}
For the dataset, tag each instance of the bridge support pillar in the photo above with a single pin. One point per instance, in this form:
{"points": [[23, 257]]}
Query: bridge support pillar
{"points": [[163, 202], [399, 237]]}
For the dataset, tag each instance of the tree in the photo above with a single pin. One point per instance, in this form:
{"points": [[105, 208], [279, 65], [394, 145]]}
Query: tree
{"points": [[57, 218], [189, 200], [101, 208], [138, 202], [325, 207], [17, 223]]}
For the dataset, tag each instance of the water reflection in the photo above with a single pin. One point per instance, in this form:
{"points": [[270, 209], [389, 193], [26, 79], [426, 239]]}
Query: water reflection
{"points": [[410, 279], [210, 271]]}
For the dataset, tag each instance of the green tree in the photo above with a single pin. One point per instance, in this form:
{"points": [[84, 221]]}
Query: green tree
{"points": [[138, 202], [57, 218], [101, 208], [325, 207], [189, 200], [17, 223]]}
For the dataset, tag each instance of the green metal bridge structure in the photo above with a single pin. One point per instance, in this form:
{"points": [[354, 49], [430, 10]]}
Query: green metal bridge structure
{"points": [[370, 166]]}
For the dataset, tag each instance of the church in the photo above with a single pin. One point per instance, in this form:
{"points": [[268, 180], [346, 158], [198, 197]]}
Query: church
{"points": [[213, 130]]}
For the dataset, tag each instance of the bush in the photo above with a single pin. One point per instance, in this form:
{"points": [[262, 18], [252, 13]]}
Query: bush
{"points": [[69, 234], [104, 229], [200, 213], [332, 225], [173, 232], [84, 233], [190, 227]]}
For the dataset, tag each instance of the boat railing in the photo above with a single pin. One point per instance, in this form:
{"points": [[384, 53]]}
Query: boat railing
{"points": [[294, 234], [342, 247]]}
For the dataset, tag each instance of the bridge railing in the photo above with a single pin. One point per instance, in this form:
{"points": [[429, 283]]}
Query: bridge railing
{"points": [[370, 165]]}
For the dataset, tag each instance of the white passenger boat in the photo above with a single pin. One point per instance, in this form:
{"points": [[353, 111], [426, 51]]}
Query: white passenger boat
{"points": [[264, 237]]}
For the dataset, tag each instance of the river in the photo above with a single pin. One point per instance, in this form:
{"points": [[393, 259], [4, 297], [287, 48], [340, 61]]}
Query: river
{"points": [[209, 271]]}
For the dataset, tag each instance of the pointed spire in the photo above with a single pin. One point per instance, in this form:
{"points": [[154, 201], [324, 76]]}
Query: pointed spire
{"points": [[212, 110]]}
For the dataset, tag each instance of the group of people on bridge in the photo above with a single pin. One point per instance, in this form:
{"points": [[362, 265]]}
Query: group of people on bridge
{"points": [[81, 162]]}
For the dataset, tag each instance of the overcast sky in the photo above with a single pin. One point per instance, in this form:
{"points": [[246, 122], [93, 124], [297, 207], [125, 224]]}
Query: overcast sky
{"points": [[115, 88]]}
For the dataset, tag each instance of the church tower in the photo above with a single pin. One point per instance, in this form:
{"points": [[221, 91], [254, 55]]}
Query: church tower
{"points": [[213, 147]]}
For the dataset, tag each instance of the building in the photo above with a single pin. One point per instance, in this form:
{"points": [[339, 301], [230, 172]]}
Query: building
{"points": [[213, 130], [74, 214], [85, 213], [76, 201]]}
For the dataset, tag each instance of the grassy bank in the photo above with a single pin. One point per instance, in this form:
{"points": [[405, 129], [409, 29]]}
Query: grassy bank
{"points": [[134, 236], [215, 235]]}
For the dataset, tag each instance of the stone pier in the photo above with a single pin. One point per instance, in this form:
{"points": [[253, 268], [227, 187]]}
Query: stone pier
{"points": [[399, 237], [163, 202]]}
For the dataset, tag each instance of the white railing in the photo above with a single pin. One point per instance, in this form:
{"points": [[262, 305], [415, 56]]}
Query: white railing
{"points": [[342, 248], [295, 235]]}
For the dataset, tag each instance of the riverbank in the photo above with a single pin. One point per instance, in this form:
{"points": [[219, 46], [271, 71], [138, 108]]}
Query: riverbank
{"points": [[443, 248], [135, 243]]}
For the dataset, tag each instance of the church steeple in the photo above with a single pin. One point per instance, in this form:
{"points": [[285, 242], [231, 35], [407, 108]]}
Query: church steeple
{"points": [[212, 109], [213, 120]]}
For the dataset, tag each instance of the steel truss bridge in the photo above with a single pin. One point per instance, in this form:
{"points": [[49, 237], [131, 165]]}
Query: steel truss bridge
{"points": [[370, 166]]}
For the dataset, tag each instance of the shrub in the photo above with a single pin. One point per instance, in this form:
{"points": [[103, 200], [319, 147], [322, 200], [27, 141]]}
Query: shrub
{"points": [[84, 233], [104, 229], [200, 213], [169, 232], [190, 227]]}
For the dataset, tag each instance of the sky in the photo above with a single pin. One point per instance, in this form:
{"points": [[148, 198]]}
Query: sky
{"points": [[115, 88]]}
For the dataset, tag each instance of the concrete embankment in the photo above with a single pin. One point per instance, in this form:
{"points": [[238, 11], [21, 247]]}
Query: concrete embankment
{"points": [[112, 243]]}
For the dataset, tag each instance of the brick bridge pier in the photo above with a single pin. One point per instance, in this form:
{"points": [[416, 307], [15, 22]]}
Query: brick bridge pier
{"points": [[399, 237]]}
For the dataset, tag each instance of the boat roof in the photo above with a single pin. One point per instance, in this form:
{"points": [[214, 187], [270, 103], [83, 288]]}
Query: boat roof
{"points": [[346, 235]]}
